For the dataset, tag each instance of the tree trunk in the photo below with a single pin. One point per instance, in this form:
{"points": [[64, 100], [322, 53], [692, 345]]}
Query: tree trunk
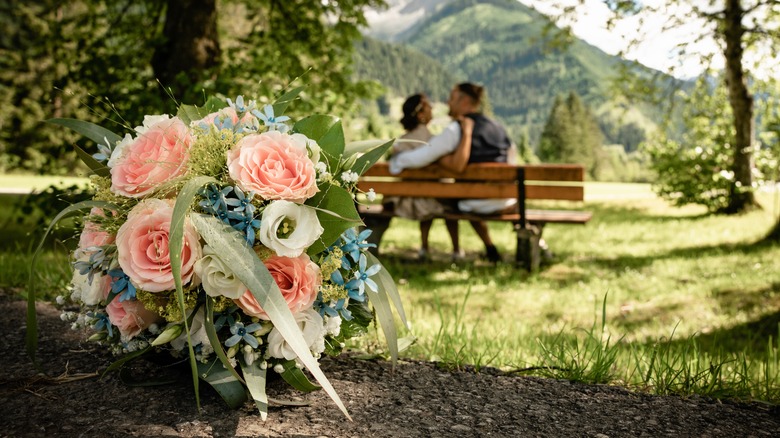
{"points": [[190, 46], [741, 197]]}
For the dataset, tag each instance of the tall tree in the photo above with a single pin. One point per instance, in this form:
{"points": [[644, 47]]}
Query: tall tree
{"points": [[571, 134], [739, 26], [189, 51]]}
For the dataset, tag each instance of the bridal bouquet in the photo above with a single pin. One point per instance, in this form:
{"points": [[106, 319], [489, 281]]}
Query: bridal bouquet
{"points": [[227, 234]]}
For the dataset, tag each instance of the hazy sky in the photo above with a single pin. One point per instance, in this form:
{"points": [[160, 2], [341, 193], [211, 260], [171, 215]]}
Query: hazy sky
{"points": [[659, 48]]}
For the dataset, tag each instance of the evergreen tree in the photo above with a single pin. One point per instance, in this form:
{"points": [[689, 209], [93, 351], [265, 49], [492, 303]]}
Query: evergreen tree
{"points": [[571, 135]]}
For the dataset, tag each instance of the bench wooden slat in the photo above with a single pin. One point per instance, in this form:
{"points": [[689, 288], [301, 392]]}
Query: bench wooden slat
{"points": [[434, 189], [465, 190], [487, 172]]}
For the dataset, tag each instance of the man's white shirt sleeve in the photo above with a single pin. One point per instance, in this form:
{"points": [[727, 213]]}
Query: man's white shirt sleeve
{"points": [[437, 147]]}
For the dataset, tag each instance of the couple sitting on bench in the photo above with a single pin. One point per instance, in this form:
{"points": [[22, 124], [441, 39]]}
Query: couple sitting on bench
{"points": [[469, 138]]}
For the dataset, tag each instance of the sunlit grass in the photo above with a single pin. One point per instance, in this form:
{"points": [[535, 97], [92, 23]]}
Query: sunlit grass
{"points": [[703, 281]]}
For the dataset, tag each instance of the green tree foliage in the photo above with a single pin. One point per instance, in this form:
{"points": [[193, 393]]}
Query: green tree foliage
{"points": [[740, 26], [92, 60], [571, 135], [697, 169]]}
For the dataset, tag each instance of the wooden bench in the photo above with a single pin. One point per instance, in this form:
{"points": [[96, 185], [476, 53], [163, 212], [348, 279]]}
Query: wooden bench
{"points": [[560, 182]]}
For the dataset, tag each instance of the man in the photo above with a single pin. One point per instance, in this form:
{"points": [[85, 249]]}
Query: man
{"points": [[489, 143]]}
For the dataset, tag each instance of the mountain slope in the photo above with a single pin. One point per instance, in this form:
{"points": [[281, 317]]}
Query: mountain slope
{"points": [[499, 43]]}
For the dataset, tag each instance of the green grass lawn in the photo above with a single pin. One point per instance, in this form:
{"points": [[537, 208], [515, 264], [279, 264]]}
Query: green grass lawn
{"points": [[691, 302], [667, 273]]}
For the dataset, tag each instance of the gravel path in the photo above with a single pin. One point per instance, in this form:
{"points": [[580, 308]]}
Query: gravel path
{"points": [[418, 399]]}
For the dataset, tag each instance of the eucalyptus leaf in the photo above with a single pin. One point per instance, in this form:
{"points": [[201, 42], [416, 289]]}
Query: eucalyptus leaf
{"points": [[335, 199], [365, 161], [31, 337], [255, 381], [230, 389], [385, 316], [387, 284], [184, 201], [94, 132], [94, 165], [233, 250], [295, 377]]}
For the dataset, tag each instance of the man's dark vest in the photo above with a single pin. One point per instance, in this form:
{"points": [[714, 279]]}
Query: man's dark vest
{"points": [[489, 142]]}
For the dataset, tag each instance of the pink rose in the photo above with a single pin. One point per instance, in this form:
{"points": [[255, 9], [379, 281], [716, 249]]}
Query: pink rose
{"points": [[131, 317], [92, 235], [157, 155], [298, 279], [273, 165], [142, 246]]}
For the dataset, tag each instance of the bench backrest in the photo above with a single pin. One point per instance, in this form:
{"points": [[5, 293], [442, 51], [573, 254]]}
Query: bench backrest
{"points": [[481, 181]]}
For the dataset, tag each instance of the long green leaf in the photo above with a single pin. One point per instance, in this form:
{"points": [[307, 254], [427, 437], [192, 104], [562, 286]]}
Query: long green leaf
{"points": [[94, 165], [31, 336], [125, 359], [362, 146], [387, 284], [385, 316], [230, 389], [365, 161], [211, 333], [87, 129], [295, 377], [233, 250], [255, 381], [176, 243], [280, 106]]}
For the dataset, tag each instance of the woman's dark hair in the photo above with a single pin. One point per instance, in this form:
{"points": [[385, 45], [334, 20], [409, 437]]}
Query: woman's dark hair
{"points": [[473, 91], [412, 106]]}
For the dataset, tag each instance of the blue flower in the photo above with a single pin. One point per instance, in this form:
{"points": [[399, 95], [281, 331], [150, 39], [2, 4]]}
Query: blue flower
{"points": [[332, 309], [104, 151], [121, 283], [267, 116], [354, 242], [102, 323], [215, 198], [240, 332], [362, 275], [352, 286], [239, 106]]}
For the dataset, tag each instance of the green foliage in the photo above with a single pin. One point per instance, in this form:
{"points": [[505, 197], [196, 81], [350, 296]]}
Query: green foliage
{"points": [[571, 135], [401, 69], [91, 60], [697, 169]]}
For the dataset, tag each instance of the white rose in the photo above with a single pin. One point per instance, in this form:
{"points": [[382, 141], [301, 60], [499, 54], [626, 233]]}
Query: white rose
{"points": [[313, 331], [118, 151], [289, 228], [197, 334], [89, 294], [150, 121], [216, 276]]}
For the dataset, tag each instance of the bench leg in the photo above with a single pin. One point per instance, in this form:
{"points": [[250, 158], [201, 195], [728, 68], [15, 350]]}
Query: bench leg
{"points": [[529, 252], [378, 225]]}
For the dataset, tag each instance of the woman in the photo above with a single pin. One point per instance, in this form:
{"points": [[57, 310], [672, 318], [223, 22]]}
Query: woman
{"points": [[417, 114]]}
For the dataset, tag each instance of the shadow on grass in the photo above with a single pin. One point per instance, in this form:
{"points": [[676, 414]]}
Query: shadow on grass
{"points": [[631, 261]]}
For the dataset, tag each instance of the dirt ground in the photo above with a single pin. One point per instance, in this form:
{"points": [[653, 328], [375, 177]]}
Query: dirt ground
{"points": [[418, 399]]}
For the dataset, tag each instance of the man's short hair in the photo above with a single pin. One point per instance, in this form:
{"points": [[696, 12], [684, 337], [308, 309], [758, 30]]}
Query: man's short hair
{"points": [[474, 91]]}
